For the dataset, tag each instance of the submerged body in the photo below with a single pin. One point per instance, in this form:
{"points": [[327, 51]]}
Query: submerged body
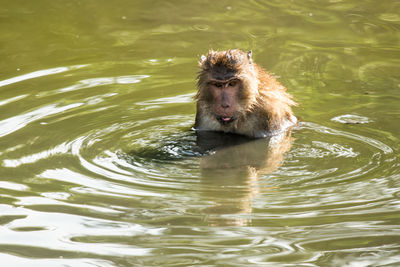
{"points": [[237, 96]]}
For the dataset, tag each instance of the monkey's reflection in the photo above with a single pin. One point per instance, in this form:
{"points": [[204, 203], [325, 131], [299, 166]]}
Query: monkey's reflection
{"points": [[230, 172]]}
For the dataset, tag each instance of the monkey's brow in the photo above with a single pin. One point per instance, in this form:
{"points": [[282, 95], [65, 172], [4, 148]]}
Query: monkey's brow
{"points": [[223, 81]]}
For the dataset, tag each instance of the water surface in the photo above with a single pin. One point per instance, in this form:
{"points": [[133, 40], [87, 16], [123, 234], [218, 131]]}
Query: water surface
{"points": [[99, 165]]}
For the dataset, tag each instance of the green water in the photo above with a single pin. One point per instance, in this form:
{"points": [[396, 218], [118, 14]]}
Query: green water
{"points": [[99, 166]]}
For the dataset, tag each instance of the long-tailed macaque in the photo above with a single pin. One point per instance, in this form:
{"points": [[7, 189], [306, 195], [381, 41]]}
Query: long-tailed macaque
{"points": [[235, 95]]}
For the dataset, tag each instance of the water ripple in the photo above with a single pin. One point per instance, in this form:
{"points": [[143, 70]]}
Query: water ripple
{"points": [[39, 73], [115, 172], [375, 143], [12, 124]]}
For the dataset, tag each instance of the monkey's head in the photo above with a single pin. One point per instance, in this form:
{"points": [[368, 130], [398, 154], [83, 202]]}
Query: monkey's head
{"points": [[227, 84]]}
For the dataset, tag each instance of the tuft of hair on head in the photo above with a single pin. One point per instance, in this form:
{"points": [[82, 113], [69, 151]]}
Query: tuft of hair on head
{"points": [[231, 59]]}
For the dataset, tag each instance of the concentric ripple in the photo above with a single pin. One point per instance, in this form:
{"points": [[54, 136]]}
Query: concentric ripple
{"points": [[116, 175], [99, 165], [333, 156]]}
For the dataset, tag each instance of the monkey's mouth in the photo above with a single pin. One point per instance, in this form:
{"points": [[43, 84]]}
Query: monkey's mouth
{"points": [[225, 120]]}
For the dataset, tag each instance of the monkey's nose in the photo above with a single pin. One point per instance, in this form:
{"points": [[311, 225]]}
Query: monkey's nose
{"points": [[225, 105]]}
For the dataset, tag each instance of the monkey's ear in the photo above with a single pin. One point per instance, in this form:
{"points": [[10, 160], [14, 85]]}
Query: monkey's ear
{"points": [[249, 54]]}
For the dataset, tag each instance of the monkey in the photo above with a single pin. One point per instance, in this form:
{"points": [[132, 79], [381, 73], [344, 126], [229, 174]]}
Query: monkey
{"points": [[236, 95]]}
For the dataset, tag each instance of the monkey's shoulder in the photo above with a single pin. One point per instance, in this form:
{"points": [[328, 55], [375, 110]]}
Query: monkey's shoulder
{"points": [[260, 126], [273, 129]]}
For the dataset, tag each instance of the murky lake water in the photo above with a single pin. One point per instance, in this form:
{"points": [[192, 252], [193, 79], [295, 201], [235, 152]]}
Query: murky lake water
{"points": [[99, 167]]}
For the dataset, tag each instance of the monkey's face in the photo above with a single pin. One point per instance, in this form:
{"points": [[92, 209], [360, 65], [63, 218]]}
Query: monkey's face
{"points": [[225, 104], [227, 85]]}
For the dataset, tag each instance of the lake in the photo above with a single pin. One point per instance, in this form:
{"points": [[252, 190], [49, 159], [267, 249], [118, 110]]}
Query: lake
{"points": [[99, 165]]}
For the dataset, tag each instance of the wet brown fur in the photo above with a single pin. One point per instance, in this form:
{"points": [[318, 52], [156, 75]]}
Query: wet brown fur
{"points": [[264, 105]]}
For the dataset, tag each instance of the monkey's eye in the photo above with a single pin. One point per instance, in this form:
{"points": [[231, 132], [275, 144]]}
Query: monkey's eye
{"points": [[232, 83]]}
